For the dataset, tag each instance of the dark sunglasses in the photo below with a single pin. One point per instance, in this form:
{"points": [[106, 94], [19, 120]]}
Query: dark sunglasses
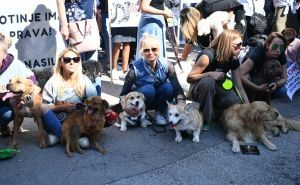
{"points": [[238, 45], [280, 46], [148, 50], [68, 59]]}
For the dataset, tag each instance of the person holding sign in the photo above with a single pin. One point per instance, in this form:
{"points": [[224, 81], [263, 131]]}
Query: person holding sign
{"points": [[152, 21], [252, 70], [210, 86]]}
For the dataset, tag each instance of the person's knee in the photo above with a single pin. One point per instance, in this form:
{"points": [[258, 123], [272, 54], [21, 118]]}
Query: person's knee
{"points": [[149, 92], [6, 117]]}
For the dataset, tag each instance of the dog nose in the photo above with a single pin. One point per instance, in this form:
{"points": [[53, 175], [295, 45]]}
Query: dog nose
{"points": [[277, 114], [137, 103]]}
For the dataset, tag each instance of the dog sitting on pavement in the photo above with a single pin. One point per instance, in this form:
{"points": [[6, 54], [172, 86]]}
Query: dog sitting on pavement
{"points": [[26, 102], [88, 121], [134, 111], [184, 117]]}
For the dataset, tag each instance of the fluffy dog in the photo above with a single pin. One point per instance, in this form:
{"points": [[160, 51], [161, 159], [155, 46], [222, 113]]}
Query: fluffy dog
{"points": [[245, 122], [184, 117], [88, 121], [24, 89], [216, 22], [134, 111], [92, 69], [272, 71]]}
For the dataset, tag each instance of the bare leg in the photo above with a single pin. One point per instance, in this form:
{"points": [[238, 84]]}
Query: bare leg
{"points": [[115, 55], [186, 51], [125, 56]]}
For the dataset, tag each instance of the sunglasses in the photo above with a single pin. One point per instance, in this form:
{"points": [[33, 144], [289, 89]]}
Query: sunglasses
{"points": [[238, 45], [68, 59], [152, 49], [280, 46]]}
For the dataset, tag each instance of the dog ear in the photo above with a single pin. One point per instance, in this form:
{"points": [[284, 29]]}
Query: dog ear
{"points": [[105, 104], [142, 95], [123, 101]]}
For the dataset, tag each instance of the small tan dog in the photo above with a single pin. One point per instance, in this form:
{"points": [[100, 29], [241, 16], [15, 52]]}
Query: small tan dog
{"points": [[24, 88], [134, 111], [88, 121], [245, 122], [184, 117]]}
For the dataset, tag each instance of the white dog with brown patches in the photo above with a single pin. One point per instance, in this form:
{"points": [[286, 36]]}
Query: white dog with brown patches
{"points": [[134, 111], [184, 117]]}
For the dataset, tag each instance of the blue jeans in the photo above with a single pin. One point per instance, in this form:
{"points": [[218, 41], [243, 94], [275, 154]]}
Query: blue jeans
{"points": [[156, 98], [6, 115]]}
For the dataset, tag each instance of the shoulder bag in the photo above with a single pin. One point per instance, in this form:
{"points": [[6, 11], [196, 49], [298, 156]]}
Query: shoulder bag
{"points": [[84, 35], [258, 22]]}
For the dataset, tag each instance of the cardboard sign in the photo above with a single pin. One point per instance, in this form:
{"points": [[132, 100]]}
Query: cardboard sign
{"points": [[293, 79]]}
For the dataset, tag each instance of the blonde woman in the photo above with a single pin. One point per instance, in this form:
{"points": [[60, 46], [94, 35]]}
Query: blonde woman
{"points": [[155, 78], [66, 88], [209, 73]]}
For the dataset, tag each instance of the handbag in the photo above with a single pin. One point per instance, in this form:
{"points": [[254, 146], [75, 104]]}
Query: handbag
{"points": [[84, 35], [258, 22]]}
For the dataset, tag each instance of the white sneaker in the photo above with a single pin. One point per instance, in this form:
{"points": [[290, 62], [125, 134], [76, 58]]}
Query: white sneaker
{"points": [[123, 75], [52, 140], [159, 119], [115, 74], [84, 142]]}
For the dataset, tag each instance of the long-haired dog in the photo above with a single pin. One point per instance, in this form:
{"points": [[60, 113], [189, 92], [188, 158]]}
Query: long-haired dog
{"points": [[134, 111], [26, 102], [88, 121], [184, 117], [245, 122]]}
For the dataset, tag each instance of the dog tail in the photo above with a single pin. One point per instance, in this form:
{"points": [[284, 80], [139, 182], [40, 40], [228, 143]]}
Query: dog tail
{"points": [[293, 124]]}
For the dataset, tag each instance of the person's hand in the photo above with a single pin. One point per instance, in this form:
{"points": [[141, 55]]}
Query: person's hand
{"points": [[65, 32], [263, 87], [168, 13], [271, 87], [218, 76], [3, 89], [28, 99], [66, 106]]}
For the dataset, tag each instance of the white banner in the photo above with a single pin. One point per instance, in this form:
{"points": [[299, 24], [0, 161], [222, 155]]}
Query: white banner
{"points": [[293, 79], [124, 13], [34, 28]]}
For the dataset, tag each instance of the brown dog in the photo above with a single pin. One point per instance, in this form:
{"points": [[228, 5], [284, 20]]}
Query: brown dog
{"points": [[245, 122], [23, 89], [89, 121]]}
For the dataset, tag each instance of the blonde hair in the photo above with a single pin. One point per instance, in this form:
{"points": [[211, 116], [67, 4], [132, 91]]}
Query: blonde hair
{"points": [[148, 41], [76, 79], [222, 44], [5, 41], [189, 18]]}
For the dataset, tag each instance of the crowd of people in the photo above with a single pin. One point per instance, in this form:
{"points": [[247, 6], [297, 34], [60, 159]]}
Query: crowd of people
{"points": [[151, 73]]}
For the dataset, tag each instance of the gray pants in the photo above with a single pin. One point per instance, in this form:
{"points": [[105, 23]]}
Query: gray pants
{"points": [[211, 95]]}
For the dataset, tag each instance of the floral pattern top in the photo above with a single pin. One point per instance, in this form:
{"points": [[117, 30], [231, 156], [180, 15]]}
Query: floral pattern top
{"points": [[80, 10]]}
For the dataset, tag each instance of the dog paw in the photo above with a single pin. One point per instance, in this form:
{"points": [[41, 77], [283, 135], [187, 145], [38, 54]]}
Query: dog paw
{"points": [[70, 155], [123, 129], [236, 149], [284, 130], [178, 139], [117, 125], [272, 147], [196, 140], [43, 145]]}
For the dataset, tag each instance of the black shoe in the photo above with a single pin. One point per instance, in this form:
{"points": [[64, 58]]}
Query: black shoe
{"points": [[5, 131]]}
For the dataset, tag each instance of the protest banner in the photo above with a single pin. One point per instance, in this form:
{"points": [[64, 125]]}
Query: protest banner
{"points": [[293, 79], [34, 29]]}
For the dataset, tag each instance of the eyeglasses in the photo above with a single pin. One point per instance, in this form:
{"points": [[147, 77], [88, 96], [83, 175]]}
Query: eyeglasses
{"points": [[280, 46], [68, 59], [238, 45], [152, 49]]}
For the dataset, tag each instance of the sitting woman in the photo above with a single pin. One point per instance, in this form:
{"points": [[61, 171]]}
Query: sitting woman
{"points": [[209, 73], [8, 69], [156, 79], [252, 69], [292, 51], [66, 88]]}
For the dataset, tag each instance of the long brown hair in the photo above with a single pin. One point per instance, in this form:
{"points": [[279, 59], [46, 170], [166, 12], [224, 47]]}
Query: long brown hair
{"points": [[272, 36], [222, 44]]}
